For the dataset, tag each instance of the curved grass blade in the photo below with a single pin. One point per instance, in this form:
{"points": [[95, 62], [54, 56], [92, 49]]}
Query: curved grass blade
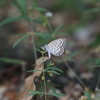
{"points": [[14, 61], [19, 40]]}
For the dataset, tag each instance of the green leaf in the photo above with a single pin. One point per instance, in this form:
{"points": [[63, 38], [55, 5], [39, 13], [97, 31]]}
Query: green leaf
{"points": [[92, 10], [21, 6], [38, 50], [40, 9], [14, 61], [41, 86], [50, 64], [73, 54], [53, 68], [62, 33], [58, 28], [37, 20], [56, 94], [33, 70], [69, 59], [41, 95], [97, 66], [57, 69], [34, 92], [87, 95], [12, 19], [43, 35], [54, 72], [17, 35], [98, 97], [19, 40], [97, 62], [52, 88], [27, 37]]}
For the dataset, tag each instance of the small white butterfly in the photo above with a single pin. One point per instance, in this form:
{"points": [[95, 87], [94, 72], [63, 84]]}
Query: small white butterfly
{"points": [[56, 47]]}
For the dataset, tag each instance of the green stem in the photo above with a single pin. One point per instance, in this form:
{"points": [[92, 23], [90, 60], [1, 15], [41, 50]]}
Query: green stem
{"points": [[19, 6], [96, 95], [74, 74], [49, 26], [35, 55], [33, 40], [23, 76], [45, 90], [44, 18], [98, 81]]}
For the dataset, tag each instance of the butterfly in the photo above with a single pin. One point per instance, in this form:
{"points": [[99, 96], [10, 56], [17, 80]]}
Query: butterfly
{"points": [[56, 47]]}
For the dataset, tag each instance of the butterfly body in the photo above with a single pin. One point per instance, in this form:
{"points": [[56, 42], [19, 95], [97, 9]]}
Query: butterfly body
{"points": [[56, 47]]}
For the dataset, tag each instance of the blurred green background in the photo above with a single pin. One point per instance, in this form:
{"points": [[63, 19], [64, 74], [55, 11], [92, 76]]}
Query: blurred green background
{"points": [[24, 26]]}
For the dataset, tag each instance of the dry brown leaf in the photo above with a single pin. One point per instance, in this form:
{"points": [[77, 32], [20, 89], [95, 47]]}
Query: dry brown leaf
{"points": [[29, 82]]}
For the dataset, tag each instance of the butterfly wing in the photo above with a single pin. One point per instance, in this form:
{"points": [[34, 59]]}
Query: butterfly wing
{"points": [[56, 47]]}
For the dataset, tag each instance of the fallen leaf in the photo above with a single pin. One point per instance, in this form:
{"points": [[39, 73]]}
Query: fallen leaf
{"points": [[29, 81]]}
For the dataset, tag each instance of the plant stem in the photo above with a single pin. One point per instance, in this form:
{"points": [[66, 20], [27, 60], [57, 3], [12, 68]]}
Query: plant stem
{"points": [[44, 18], [74, 74], [19, 6], [98, 81], [33, 40], [44, 78], [22, 76], [35, 55], [49, 26]]}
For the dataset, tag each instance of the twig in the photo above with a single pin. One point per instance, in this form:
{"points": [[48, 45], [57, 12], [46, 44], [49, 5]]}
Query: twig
{"points": [[33, 40], [74, 74]]}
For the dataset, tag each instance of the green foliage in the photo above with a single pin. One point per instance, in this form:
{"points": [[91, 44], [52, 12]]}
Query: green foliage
{"points": [[54, 72], [56, 94], [78, 6], [49, 69], [20, 39], [14, 61], [57, 28], [21, 6], [40, 9], [43, 35], [34, 70], [12, 19], [51, 87], [97, 62], [75, 7], [37, 20], [34, 92], [53, 68], [92, 10], [86, 94]]}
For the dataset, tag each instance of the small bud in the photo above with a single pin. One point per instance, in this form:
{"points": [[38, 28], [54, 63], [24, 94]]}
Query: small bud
{"points": [[42, 78], [51, 74]]}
